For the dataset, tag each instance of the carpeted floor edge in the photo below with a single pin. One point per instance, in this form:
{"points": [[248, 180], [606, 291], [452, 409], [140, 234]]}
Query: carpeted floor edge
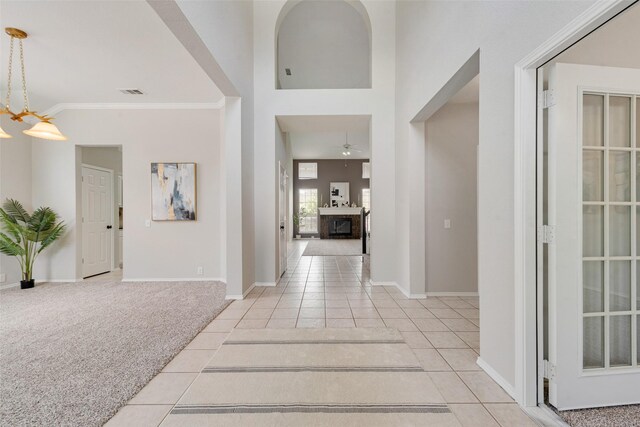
{"points": [[216, 313]]}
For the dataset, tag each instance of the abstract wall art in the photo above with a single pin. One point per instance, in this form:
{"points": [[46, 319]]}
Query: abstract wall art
{"points": [[173, 191], [339, 194]]}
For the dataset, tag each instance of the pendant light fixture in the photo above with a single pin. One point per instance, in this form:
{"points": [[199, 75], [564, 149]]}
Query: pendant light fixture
{"points": [[44, 128]]}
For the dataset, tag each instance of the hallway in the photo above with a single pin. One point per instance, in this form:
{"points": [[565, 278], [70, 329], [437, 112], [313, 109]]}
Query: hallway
{"points": [[311, 365]]}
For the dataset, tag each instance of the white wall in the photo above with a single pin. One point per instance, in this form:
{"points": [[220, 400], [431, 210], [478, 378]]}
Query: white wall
{"points": [[325, 45], [434, 39], [452, 254], [108, 158], [226, 28], [378, 102], [166, 250], [15, 181]]}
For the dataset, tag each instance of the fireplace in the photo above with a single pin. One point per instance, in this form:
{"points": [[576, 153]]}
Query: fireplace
{"points": [[340, 227]]}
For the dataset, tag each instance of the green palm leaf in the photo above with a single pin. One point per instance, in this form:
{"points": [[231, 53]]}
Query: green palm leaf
{"points": [[11, 226], [42, 220], [9, 247], [52, 235], [15, 209]]}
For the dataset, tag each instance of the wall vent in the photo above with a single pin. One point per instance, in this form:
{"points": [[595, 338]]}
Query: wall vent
{"points": [[131, 91]]}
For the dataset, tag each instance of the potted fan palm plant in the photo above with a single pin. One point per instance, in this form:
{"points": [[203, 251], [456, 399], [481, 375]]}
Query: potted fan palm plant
{"points": [[24, 236]]}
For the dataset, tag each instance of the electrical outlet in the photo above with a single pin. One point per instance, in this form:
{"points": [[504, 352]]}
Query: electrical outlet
{"points": [[200, 271], [447, 223], [3, 277]]}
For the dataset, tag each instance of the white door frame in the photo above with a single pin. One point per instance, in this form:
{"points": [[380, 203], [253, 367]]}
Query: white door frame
{"points": [[112, 202], [282, 204], [525, 160]]}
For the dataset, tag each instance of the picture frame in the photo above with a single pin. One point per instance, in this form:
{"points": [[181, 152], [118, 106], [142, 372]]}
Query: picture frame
{"points": [[339, 193], [174, 191]]}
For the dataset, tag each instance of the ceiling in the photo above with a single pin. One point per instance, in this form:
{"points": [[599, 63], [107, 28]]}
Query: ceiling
{"points": [[323, 137], [83, 52]]}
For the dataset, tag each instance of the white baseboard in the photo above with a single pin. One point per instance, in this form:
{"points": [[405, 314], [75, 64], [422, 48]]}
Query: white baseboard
{"points": [[40, 281], [267, 284], [400, 288], [497, 377], [240, 297], [9, 285], [173, 279], [452, 294]]}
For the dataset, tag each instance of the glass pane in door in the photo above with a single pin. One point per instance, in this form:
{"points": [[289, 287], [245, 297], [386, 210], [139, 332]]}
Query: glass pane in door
{"points": [[619, 176], [593, 342], [593, 176], [620, 340], [619, 121], [620, 285], [593, 226], [637, 176], [593, 287], [638, 122], [619, 231], [593, 121]]}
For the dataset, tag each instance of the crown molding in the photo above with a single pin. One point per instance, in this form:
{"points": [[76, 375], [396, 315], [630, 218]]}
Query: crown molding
{"points": [[134, 106]]}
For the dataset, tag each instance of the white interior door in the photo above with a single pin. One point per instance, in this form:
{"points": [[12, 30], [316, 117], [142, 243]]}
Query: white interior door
{"points": [[282, 219], [97, 226], [594, 195]]}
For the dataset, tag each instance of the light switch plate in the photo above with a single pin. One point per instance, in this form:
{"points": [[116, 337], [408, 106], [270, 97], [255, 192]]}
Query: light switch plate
{"points": [[147, 223], [447, 223]]}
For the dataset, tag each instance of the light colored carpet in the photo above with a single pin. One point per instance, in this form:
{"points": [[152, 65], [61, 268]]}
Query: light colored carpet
{"points": [[615, 416], [333, 247], [72, 354]]}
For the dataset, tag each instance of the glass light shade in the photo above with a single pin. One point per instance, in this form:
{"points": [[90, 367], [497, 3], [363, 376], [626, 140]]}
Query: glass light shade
{"points": [[3, 134], [46, 130]]}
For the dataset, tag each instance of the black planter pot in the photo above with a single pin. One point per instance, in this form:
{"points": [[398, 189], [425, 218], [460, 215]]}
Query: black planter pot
{"points": [[27, 284]]}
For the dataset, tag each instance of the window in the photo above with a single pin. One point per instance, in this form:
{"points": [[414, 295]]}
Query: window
{"points": [[307, 210], [307, 171], [366, 170], [366, 198]]}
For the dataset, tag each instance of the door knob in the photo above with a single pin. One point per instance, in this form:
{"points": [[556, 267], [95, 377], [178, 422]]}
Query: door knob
{"points": [[282, 227], [109, 227]]}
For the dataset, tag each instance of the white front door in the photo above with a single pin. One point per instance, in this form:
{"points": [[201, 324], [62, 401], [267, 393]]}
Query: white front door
{"points": [[97, 228], [282, 220], [594, 267]]}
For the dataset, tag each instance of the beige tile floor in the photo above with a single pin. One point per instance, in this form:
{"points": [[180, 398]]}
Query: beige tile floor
{"points": [[334, 292]]}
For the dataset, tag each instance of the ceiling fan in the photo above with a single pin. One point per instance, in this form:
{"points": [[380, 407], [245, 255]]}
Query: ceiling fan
{"points": [[348, 148]]}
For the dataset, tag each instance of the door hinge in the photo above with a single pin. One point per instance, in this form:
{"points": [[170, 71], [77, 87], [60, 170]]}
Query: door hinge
{"points": [[547, 98], [547, 234], [548, 370]]}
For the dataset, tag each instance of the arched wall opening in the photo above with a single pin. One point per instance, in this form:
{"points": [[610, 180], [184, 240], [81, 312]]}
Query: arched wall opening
{"points": [[323, 45]]}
